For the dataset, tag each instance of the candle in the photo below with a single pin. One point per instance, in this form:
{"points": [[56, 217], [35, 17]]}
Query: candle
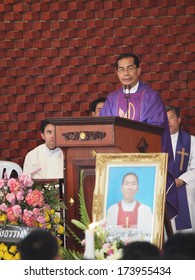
{"points": [[127, 221], [90, 242]]}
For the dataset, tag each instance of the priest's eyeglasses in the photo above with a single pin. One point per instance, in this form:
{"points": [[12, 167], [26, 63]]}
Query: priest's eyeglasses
{"points": [[128, 69]]}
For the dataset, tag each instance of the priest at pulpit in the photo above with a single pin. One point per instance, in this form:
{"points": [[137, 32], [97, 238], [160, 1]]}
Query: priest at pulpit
{"points": [[136, 100]]}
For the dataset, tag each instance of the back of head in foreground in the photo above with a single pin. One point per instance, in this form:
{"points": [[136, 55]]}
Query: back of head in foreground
{"points": [[180, 246], [39, 245], [140, 250]]}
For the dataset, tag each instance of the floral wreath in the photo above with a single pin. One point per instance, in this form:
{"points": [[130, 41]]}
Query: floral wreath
{"points": [[28, 204]]}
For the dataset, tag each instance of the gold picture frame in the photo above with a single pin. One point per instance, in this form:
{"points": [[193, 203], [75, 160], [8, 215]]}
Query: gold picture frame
{"points": [[151, 169]]}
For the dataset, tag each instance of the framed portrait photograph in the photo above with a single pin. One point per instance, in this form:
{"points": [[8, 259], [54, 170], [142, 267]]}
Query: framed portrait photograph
{"points": [[129, 195]]}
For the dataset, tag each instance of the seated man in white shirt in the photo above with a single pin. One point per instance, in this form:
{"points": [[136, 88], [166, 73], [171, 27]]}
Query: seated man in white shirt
{"points": [[45, 161], [129, 212]]}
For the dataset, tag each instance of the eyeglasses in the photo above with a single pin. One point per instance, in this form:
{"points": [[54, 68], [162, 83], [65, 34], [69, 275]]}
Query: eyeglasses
{"points": [[128, 69]]}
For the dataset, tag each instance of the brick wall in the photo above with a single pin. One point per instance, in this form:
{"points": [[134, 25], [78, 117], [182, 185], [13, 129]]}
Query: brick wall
{"points": [[58, 56]]}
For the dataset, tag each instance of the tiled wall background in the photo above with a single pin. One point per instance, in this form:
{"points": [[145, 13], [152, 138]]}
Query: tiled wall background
{"points": [[57, 56]]}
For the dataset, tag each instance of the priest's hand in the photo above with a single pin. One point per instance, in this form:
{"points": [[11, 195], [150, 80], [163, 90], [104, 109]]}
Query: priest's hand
{"points": [[179, 182]]}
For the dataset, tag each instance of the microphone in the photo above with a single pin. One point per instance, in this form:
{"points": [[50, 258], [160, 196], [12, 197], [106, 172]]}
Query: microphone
{"points": [[126, 91]]}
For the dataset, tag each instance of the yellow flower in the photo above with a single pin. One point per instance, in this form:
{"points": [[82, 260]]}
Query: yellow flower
{"points": [[47, 218], [8, 252], [1, 255], [36, 224], [16, 257], [3, 247], [56, 220], [3, 217], [13, 249], [8, 256], [52, 211], [60, 229], [41, 225], [48, 226]]}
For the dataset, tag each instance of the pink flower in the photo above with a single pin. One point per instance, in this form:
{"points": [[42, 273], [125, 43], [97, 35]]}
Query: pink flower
{"points": [[11, 198], [27, 213], [36, 212], [19, 196], [3, 207], [30, 222], [41, 220], [35, 198], [28, 218], [13, 185], [106, 245], [110, 252], [14, 213], [25, 180], [46, 206], [2, 183], [17, 209]]}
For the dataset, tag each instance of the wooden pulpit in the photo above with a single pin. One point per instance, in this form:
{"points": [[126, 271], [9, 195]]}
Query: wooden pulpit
{"points": [[81, 137]]}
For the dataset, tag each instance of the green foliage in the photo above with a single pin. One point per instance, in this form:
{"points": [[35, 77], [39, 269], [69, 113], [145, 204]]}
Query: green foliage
{"points": [[82, 205], [68, 254], [81, 224], [78, 224], [51, 195], [70, 231]]}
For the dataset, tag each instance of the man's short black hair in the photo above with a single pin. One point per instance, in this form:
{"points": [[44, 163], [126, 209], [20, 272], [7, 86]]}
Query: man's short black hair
{"points": [[126, 55], [44, 123], [38, 245], [180, 246], [174, 109], [140, 250], [96, 102], [130, 173]]}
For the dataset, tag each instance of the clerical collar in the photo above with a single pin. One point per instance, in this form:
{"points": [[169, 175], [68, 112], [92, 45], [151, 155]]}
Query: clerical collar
{"points": [[175, 135], [50, 151], [134, 89], [129, 203], [128, 206]]}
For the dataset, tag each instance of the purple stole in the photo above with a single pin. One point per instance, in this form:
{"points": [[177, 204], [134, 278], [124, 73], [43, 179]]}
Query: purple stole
{"points": [[182, 154], [126, 218], [130, 105]]}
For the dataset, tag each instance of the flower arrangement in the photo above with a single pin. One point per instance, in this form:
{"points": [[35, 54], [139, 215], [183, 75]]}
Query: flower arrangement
{"points": [[106, 247], [25, 203]]}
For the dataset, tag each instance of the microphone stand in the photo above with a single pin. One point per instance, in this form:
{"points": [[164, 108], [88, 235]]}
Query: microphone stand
{"points": [[126, 91]]}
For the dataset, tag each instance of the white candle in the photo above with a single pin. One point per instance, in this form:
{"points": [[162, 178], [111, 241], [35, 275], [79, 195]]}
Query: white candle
{"points": [[90, 242]]}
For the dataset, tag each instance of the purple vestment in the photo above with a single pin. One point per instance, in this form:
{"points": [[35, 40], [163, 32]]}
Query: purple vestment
{"points": [[182, 220], [146, 106]]}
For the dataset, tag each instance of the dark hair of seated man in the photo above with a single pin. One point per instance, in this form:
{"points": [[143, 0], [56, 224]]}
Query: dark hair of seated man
{"points": [[140, 250], [180, 246], [39, 245]]}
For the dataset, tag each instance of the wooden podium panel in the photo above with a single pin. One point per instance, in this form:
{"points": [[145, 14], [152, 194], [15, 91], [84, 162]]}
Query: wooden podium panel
{"points": [[80, 137]]}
